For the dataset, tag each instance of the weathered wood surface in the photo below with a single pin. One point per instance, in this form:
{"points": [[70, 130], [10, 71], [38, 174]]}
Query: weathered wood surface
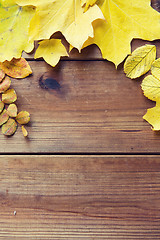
{"points": [[79, 197], [94, 108]]}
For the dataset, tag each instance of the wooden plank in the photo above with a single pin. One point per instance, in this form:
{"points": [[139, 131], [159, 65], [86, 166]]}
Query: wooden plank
{"points": [[80, 197], [94, 108]]}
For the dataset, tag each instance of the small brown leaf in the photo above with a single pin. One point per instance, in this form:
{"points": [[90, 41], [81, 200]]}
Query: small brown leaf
{"points": [[9, 127], [2, 75], [5, 84], [23, 117], [1, 106], [3, 117], [12, 110], [9, 96], [16, 68], [24, 131]]}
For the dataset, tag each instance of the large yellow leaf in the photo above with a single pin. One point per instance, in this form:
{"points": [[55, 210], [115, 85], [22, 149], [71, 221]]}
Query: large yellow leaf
{"points": [[125, 20], [66, 16], [153, 116], [51, 50], [140, 61], [151, 87], [14, 27]]}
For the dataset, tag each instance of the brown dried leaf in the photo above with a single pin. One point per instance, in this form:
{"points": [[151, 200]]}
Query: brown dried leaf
{"points": [[3, 117], [9, 127], [24, 131], [2, 75], [1, 106], [12, 110], [23, 117], [5, 84], [9, 96], [16, 68]]}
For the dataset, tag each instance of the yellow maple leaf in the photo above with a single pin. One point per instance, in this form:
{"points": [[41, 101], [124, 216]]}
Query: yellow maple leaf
{"points": [[51, 50], [140, 61], [14, 27], [125, 20], [153, 117], [66, 16]]}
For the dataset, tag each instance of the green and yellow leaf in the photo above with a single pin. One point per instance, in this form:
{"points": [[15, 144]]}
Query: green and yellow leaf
{"points": [[3, 117], [155, 68], [9, 127], [14, 29], [9, 96], [23, 117], [24, 131], [5, 84], [12, 110]]}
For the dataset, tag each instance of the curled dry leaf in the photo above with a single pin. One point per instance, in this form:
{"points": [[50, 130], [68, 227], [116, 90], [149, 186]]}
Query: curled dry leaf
{"points": [[3, 117], [1, 106], [9, 96], [140, 61], [16, 68], [2, 75], [24, 131], [9, 127], [5, 84], [12, 110], [23, 117]]}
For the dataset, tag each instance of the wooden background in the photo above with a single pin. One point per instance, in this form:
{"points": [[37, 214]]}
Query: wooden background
{"points": [[90, 168]]}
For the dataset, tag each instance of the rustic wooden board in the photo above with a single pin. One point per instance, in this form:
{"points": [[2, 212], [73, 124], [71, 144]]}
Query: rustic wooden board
{"points": [[79, 197], [94, 108]]}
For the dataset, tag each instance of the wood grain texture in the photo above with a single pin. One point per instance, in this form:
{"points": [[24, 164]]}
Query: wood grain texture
{"points": [[85, 197], [94, 108]]}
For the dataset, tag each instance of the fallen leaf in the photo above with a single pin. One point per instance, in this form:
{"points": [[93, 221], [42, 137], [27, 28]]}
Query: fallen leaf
{"points": [[16, 68], [9, 127], [151, 87], [12, 110], [51, 50], [5, 84], [9, 96], [14, 27], [23, 117], [2, 75], [1, 106], [3, 117], [125, 20], [24, 131], [140, 61], [66, 16], [153, 117], [155, 68]]}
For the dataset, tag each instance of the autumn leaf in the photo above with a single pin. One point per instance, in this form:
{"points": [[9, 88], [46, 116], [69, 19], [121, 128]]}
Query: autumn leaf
{"points": [[3, 117], [23, 117], [14, 27], [140, 61], [125, 20], [155, 68], [12, 110], [9, 127], [9, 96], [66, 16], [1, 106], [51, 50], [5, 84], [2, 75], [24, 131], [16, 68], [153, 117], [151, 87]]}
